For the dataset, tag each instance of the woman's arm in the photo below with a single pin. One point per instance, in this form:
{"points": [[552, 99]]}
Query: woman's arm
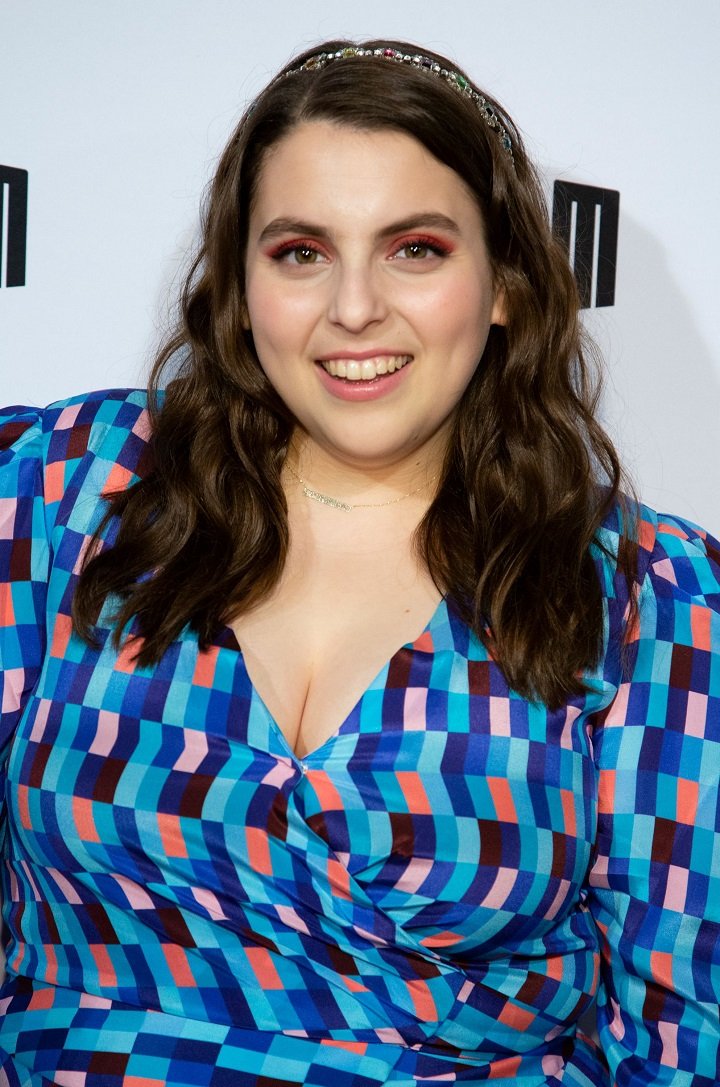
{"points": [[24, 562], [655, 882]]}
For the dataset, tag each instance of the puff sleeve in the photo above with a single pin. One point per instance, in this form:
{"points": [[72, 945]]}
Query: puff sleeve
{"points": [[654, 887], [24, 563]]}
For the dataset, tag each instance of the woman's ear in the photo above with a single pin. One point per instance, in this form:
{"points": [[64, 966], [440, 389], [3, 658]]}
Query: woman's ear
{"points": [[499, 310]]}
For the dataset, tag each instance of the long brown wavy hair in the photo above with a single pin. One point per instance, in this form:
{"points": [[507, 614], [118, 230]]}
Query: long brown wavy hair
{"points": [[529, 474]]}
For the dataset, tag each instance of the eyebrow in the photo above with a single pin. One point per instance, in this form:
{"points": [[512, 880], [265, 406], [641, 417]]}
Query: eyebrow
{"points": [[421, 220]]}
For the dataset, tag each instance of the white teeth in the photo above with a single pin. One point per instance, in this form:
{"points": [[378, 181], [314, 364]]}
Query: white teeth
{"points": [[367, 369]]}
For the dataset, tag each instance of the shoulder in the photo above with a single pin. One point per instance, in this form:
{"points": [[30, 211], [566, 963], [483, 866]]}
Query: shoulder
{"points": [[666, 593], [670, 548], [74, 421], [67, 429], [87, 421], [95, 442], [675, 641], [670, 673], [107, 429], [684, 560]]}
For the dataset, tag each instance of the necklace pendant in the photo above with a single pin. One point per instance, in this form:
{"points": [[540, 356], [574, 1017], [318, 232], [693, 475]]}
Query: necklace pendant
{"points": [[325, 499]]}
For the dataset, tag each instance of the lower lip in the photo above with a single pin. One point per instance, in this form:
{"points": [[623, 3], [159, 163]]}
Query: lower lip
{"points": [[380, 386]]}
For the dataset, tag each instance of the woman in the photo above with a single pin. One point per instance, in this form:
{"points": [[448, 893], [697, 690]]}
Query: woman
{"points": [[249, 839]]}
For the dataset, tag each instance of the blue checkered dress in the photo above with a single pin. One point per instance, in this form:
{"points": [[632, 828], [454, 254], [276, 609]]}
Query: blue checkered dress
{"points": [[435, 895]]}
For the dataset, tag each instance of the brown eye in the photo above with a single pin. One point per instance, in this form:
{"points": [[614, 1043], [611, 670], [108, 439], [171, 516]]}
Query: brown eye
{"points": [[419, 250], [297, 253], [305, 255], [416, 250]]}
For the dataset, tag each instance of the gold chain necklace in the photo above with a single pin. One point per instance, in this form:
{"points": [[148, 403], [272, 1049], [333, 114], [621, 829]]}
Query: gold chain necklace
{"points": [[338, 504]]}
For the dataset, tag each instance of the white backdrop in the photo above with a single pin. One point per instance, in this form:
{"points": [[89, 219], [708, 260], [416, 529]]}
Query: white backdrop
{"points": [[119, 109]]}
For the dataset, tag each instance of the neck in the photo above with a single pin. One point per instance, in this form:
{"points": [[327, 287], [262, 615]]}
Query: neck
{"points": [[354, 480]]}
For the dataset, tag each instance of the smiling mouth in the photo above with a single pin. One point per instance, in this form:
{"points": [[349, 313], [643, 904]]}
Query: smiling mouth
{"points": [[366, 369]]}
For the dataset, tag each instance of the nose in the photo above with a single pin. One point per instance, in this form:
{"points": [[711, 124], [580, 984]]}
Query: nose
{"points": [[356, 299]]}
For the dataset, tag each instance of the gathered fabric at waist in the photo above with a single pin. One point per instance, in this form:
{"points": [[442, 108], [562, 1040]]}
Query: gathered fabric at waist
{"points": [[54, 1036]]}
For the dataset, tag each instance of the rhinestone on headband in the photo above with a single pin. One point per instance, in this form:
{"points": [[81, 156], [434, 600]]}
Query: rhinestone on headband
{"points": [[457, 81]]}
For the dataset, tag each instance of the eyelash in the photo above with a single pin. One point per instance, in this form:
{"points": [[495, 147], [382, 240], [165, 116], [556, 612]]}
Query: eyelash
{"points": [[435, 247], [432, 244], [286, 248]]}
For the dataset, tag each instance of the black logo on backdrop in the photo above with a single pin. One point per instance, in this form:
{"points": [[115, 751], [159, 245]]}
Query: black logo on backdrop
{"points": [[14, 193], [586, 220]]}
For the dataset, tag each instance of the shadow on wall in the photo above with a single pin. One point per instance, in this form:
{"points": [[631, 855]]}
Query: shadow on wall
{"points": [[662, 397]]}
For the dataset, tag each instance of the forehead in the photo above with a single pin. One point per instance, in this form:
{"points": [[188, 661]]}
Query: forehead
{"points": [[326, 169]]}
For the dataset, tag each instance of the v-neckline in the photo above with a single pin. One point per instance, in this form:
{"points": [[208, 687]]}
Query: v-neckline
{"points": [[228, 640]]}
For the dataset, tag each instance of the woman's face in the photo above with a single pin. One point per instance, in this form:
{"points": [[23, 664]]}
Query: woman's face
{"points": [[369, 290]]}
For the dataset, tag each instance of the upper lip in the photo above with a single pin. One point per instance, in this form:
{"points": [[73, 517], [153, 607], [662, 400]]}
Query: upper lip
{"points": [[358, 356]]}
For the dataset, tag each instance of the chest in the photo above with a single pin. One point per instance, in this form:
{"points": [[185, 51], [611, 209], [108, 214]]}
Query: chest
{"points": [[434, 786], [316, 645]]}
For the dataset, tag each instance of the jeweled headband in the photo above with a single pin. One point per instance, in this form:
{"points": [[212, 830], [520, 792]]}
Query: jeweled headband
{"points": [[455, 80]]}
